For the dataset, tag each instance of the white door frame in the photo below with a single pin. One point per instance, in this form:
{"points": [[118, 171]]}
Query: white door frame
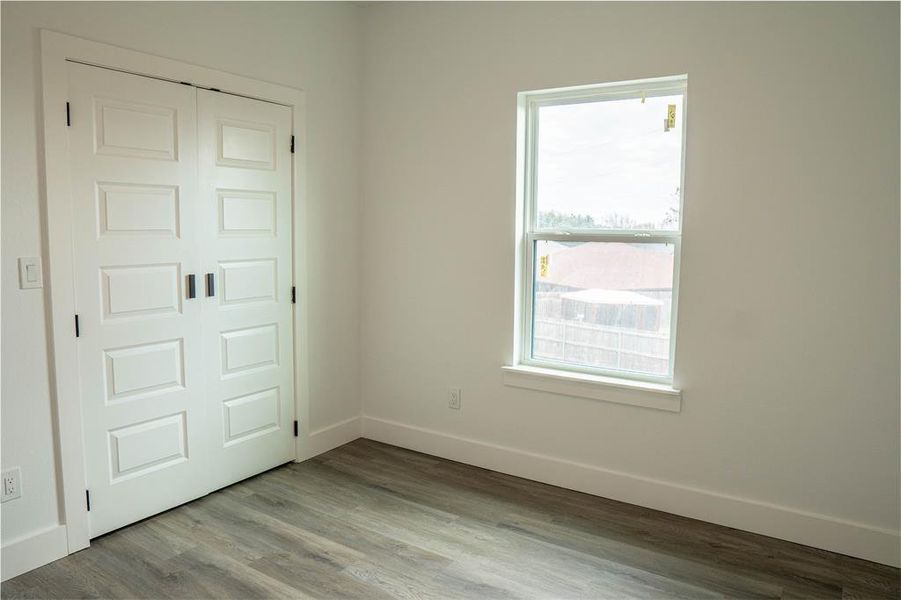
{"points": [[56, 50]]}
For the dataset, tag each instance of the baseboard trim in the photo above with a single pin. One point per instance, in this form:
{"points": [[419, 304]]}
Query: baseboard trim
{"points": [[33, 551], [332, 436], [811, 529]]}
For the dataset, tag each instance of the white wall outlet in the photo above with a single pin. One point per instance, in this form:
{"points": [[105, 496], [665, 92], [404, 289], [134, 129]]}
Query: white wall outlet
{"points": [[454, 398], [11, 484]]}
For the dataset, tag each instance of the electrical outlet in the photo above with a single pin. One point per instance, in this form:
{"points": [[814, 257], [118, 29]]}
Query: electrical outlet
{"points": [[454, 398], [11, 485]]}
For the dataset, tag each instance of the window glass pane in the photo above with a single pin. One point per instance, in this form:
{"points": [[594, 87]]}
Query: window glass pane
{"points": [[605, 305], [610, 165]]}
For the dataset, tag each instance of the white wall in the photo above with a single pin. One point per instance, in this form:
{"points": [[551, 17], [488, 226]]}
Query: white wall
{"points": [[307, 45], [788, 348]]}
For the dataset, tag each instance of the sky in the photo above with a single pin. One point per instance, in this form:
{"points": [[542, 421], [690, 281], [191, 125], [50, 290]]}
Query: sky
{"points": [[601, 158]]}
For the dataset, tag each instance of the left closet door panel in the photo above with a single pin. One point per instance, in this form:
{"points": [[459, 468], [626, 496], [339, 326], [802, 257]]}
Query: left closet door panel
{"points": [[133, 159]]}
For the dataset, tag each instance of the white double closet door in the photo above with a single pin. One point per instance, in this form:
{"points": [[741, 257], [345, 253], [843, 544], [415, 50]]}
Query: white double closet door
{"points": [[182, 225]]}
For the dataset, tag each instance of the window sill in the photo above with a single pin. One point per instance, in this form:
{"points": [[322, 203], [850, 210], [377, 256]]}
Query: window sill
{"points": [[595, 387]]}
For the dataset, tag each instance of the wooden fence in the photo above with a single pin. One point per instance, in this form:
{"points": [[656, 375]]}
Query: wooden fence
{"points": [[601, 346]]}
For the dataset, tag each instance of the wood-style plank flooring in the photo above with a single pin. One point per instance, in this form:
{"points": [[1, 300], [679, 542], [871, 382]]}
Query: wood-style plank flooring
{"points": [[373, 521]]}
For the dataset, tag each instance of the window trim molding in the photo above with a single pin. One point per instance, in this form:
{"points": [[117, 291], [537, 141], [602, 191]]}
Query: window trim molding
{"points": [[594, 387], [527, 231]]}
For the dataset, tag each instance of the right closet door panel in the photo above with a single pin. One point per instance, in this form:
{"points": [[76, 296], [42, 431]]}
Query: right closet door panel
{"points": [[245, 209]]}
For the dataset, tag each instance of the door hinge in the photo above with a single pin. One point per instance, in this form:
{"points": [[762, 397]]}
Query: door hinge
{"points": [[293, 295], [68, 116], [87, 496], [77, 328], [292, 144], [295, 428]]}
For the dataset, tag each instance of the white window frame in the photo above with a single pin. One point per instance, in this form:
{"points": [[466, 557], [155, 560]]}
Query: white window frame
{"points": [[528, 232]]}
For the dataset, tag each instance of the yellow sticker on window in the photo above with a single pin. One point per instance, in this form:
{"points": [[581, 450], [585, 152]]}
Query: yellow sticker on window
{"points": [[544, 265], [670, 116]]}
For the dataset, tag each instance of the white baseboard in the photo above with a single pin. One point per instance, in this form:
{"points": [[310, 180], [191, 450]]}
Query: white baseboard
{"points": [[811, 529], [332, 436], [30, 552]]}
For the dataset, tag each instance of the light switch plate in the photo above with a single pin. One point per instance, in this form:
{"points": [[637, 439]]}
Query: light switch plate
{"points": [[31, 275]]}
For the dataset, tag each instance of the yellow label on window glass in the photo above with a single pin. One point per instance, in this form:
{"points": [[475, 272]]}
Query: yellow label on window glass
{"points": [[670, 115], [544, 265]]}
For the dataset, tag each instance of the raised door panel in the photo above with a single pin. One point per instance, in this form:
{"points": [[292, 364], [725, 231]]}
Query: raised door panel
{"points": [[246, 213], [137, 210], [248, 281], [144, 369], [246, 144], [250, 416], [140, 290], [135, 129], [143, 448], [249, 349]]}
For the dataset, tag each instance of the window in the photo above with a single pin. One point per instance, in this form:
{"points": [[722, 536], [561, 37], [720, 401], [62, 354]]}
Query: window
{"points": [[601, 171]]}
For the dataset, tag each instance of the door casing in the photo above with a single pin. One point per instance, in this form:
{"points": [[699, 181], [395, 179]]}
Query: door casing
{"points": [[56, 50]]}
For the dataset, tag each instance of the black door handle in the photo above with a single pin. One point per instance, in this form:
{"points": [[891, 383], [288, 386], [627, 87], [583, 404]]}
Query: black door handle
{"points": [[192, 292], [210, 284]]}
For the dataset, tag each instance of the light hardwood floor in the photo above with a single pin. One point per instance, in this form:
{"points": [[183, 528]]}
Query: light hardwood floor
{"points": [[371, 521]]}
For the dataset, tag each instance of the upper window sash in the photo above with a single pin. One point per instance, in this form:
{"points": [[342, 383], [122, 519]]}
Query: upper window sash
{"points": [[637, 89]]}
